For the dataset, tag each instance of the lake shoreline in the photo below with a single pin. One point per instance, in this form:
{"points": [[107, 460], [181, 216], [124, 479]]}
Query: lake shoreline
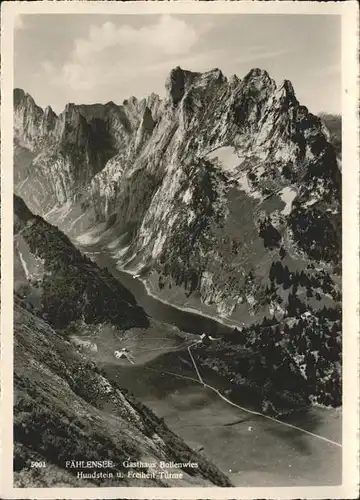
{"points": [[190, 310], [152, 294]]}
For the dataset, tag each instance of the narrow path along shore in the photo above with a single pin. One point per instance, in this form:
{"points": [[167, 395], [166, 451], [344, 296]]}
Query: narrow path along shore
{"points": [[200, 380], [255, 412], [195, 365]]}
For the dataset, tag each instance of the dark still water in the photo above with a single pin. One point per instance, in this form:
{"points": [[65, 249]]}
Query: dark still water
{"points": [[184, 320]]}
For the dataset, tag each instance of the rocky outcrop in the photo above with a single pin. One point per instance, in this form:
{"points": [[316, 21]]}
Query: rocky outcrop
{"points": [[177, 84]]}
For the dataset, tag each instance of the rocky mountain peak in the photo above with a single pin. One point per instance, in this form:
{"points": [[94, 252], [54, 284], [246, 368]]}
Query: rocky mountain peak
{"points": [[177, 83], [257, 73], [132, 101], [201, 112], [19, 95], [22, 98], [145, 129], [48, 121], [153, 102], [49, 112], [70, 112], [234, 81], [286, 94], [71, 126], [28, 119], [258, 81], [288, 87], [214, 74]]}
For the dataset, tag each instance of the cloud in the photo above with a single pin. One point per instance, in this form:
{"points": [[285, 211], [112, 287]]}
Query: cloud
{"points": [[110, 51], [72, 75], [169, 35], [87, 77]]}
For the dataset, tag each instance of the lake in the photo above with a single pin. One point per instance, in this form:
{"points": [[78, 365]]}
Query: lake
{"points": [[251, 450]]}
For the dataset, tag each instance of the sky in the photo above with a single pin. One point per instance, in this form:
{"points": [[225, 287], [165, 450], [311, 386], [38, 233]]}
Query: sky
{"points": [[97, 58]]}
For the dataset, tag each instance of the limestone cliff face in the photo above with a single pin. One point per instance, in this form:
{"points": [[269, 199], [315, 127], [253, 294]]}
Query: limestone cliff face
{"points": [[208, 187]]}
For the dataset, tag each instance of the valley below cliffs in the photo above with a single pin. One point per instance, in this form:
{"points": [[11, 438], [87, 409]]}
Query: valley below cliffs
{"points": [[223, 197], [75, 401], [199, 192]]}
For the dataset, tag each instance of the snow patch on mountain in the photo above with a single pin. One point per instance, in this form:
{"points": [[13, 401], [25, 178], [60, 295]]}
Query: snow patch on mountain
{"points": [[287, 195], [25, 267], [227, 157]]}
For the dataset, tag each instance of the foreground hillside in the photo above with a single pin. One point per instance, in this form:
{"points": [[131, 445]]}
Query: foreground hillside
{"points": [[65, 408]]}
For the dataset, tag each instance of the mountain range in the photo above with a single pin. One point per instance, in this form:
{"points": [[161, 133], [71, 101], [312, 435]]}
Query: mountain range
{"points": [[223, 197], [201, 191]]}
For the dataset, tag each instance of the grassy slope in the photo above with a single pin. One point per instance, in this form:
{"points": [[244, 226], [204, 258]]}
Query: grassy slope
{"points": [[66, 409], [71, 284]]}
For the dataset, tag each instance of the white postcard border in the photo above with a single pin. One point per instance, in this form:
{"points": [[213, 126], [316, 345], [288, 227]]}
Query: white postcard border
{"points": [[349, 12]]}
